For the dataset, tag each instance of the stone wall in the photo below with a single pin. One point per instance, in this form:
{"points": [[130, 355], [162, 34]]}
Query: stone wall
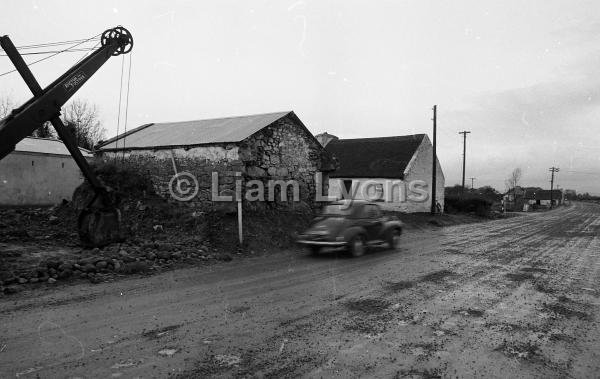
{"points": [[282, 151]]}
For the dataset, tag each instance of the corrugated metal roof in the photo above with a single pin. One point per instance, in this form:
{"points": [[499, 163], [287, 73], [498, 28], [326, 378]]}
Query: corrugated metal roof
{"points": [[46, 146], [198, 132]]}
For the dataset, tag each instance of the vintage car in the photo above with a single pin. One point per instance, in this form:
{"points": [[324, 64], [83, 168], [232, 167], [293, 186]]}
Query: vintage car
{"points": [[354, 224]]}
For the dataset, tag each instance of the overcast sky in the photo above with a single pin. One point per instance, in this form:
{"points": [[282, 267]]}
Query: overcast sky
{"points": [[522, 76]]}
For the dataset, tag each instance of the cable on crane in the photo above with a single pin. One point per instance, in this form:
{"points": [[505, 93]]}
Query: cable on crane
{"points": [[55, 54], [52, 52], [119, 111], [127, 105], [35, 46]]}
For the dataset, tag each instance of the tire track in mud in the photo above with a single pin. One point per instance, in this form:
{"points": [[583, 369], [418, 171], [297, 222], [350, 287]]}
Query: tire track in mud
{"points": [[551, 252], [541, 238]]}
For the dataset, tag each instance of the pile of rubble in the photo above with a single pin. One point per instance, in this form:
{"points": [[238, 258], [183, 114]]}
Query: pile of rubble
{"points": [[99, 265]]}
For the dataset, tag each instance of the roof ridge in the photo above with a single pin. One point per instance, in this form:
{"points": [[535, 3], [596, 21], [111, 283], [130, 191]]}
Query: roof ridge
{"points": [[222, 118], [380, 138], [232, 126]]}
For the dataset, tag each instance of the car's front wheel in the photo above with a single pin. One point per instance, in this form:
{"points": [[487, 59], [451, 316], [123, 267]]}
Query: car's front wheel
{"points": [[393, 238], [357, 246]]}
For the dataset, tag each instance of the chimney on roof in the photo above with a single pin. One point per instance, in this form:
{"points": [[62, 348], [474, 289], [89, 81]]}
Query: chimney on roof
{"points": [[325, 138]]}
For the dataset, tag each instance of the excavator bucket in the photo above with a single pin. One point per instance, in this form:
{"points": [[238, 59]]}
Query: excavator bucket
{"points": [[99, 227], [99, 218]]}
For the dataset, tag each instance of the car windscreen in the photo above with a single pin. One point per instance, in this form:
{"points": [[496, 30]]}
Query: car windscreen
{"points": [[337, 210]]}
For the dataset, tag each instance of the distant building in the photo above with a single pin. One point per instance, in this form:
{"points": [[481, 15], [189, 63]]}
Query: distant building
{"points": [[369, 167], [545, 197], [40, 171], [570, 194], [523, 199], [264, 147]]}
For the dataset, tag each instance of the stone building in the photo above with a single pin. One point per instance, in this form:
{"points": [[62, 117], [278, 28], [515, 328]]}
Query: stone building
{"points": [[397, 171], [40, 171], [242, 152]]}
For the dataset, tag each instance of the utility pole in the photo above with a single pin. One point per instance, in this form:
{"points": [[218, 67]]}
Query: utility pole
{"points": [[472, 185], [434, 169], [464, 133], [552, 170]]}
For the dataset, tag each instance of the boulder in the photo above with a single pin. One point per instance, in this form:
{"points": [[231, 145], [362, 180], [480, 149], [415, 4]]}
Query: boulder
{"points": [[89, 268], [53, 263], [10, 290], [65, 274], [65, 266], [163, 255]]}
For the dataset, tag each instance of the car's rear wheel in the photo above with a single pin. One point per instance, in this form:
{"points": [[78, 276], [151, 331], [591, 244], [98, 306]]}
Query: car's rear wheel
{"points": [[357, 246], [393, 238]]}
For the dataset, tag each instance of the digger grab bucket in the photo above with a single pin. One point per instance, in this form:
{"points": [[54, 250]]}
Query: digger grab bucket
{"points": [[99, 218], [99, 227]]}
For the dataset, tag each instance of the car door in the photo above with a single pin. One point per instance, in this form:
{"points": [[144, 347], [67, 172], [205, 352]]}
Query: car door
{"points": [[373, 221]]}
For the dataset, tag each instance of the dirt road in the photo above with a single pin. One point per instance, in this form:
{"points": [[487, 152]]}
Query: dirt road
{"points": [[506, 298]]}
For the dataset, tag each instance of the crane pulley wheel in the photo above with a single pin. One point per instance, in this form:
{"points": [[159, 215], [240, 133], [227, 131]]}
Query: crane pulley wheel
{"points": [[121, 37]]}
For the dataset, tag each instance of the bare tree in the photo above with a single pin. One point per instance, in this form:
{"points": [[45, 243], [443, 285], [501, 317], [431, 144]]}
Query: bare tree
{"points": [[82, 119], [514, 179], [6, 105]]}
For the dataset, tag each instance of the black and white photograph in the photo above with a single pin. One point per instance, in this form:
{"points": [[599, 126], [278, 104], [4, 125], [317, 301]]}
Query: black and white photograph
{"points": [[299, 189]]}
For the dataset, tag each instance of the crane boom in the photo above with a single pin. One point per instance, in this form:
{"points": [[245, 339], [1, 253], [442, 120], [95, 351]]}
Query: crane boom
{"points": [[45, 106]]}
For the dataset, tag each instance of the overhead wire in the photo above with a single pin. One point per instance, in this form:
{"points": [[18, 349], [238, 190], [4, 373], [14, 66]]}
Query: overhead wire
{"points": [[35, 46], [52, 52], [55, 54]]}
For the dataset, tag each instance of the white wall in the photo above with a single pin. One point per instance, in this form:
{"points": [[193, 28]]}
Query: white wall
{"points": [[420, 169], [37, 179], [417, 171]]}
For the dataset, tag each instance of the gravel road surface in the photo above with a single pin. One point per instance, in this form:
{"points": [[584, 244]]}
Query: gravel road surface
{"points": [[516, 297]]}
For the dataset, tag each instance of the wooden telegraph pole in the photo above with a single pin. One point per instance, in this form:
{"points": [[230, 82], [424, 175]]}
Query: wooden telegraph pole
{"points": [[552, 170], [464, 133], [434, 169]]}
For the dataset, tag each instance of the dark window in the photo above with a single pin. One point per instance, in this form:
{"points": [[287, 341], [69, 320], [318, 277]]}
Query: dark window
{"points": [[63, 165], [348, 187], [32, 163], [372, 211]]}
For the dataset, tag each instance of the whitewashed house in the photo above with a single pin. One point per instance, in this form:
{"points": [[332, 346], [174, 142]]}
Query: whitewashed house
{"points": [[396, 171], [40, 171]]}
